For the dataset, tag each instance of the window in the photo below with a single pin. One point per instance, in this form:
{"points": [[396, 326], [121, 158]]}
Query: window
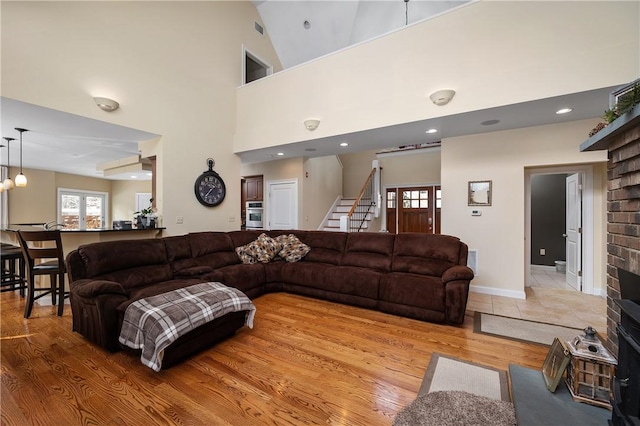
{"points": [[82, 209], [415, 199]]}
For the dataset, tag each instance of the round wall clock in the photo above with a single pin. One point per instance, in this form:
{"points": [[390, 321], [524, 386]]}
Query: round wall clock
{"points": [[209, 188]]}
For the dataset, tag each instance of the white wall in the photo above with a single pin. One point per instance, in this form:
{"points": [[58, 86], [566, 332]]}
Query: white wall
{"points": [[173, 67], [493, 53], [499, 234]]}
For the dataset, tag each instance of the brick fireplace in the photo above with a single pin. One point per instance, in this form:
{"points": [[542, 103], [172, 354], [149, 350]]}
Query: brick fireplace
{"points": [[622, 140]]}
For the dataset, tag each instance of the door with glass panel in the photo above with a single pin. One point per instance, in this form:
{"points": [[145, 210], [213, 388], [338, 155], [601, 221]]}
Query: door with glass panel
{"points": [[82, 210], [414, 209]]}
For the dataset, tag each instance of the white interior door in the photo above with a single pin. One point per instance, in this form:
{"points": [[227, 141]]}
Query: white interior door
{"points": [[574, 232], [282, 204]]}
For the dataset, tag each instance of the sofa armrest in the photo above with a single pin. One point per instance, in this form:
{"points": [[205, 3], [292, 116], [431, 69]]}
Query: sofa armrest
{"points": [[458, 272], [92, 288], [193, 271]]}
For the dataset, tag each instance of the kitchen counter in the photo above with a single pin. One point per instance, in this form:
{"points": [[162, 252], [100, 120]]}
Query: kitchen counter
{"points": [[74, 238]]}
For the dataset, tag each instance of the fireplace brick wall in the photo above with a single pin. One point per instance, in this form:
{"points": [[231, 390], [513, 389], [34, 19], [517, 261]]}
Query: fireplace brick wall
{"points": [[623, 218]]}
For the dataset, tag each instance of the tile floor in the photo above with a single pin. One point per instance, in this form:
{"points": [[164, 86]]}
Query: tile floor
{"points": [[550, 300]]}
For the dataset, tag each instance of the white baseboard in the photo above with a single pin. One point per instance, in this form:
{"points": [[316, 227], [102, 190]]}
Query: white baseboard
{"points": [[498, 292]]}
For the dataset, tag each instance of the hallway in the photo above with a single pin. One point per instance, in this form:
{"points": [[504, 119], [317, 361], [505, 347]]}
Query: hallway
{"points": [[548, 300]]}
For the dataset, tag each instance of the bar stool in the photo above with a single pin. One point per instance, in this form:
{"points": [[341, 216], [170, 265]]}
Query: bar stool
{"points": [[10, 257], [36, 246]]}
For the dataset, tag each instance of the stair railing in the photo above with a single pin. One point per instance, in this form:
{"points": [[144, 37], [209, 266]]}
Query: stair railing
{"points": [[363, 207]]}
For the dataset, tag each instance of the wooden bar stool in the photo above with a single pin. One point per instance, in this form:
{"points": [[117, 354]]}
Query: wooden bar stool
{"points": [[13, 270], [46, 248]]}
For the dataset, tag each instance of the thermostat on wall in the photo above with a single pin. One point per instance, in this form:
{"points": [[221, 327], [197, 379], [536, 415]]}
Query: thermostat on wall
{"points": [[476, 213]]}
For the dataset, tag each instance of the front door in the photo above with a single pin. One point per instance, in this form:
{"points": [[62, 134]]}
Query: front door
{"points": [[415, 209]]}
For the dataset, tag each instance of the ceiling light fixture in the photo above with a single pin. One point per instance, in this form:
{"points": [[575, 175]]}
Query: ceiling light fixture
{"points": [[442, 97], [21, 179], [430, 131], [8, 183], [280, 154], [311, 124], [490, 122], [306, 24], [344, 144], [563, 111], [106, 104]]}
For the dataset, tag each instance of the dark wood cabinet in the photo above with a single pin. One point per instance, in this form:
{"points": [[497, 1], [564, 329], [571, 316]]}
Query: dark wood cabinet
{"points": [[254, 190]]}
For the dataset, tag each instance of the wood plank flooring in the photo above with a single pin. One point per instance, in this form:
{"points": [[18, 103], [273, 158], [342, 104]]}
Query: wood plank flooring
{"points": [[305, 361]]}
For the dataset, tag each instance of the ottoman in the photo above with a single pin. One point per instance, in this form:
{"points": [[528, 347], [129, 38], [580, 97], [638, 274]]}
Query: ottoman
{"points": [[172, 326]]}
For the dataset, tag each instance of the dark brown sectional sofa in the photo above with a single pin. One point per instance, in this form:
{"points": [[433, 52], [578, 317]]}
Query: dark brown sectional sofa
{"points": [[419, 276]]}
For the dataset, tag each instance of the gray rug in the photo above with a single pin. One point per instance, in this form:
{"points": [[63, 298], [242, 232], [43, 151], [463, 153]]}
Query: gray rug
{"points": [[522, 330], [536, 406], [457, 392]]}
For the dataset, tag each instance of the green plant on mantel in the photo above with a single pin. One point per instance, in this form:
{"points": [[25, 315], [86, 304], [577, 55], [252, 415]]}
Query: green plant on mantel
{"points": [[625, 103]]}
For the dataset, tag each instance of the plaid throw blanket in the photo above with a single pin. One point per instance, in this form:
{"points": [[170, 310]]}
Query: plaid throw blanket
{"points": [[153, 323]]}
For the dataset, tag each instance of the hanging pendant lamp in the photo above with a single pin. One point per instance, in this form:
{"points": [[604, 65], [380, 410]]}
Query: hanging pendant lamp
{"points": [[8, 183], [1, 173], [21, 179]]}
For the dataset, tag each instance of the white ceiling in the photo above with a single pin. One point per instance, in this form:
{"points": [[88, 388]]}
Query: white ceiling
{"points": [[68, 143], [64, 142]]}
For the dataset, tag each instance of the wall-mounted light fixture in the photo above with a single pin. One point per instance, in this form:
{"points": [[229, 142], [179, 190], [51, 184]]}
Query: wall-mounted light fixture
{"points": [[8, 183], [442, 97], [106, 104], [311, 124], [21, 179]]}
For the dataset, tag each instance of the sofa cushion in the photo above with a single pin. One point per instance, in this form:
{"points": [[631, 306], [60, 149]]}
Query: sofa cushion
{"points": [[369, 250], [413, 290], [137, 263], [179, 252], [425, 254], [292, 249], [213, 249], [243, 277], [326, 247], [354, 281]]}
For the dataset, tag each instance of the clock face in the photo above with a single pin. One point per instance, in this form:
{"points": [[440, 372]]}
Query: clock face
{"points": [[210, 189]]}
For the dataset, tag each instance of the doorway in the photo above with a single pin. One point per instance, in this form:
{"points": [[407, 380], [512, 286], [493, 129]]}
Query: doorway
{"points": [[560, 226], [282, 204], [413, 209]]}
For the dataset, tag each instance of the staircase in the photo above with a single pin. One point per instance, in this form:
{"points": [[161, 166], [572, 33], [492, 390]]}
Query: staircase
{"points": [[341, 208]]}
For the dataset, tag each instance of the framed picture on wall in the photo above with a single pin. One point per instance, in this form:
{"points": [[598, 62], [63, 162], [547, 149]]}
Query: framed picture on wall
{"points": [[480, 193]]}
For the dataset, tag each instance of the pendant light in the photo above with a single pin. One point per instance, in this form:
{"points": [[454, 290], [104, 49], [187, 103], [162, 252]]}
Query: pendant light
{"points": [[8, 183], [21, 179]]}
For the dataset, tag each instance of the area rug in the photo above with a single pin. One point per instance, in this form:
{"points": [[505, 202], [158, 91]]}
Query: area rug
{"points": [[522, 330], [451, 374], [457, 392]]}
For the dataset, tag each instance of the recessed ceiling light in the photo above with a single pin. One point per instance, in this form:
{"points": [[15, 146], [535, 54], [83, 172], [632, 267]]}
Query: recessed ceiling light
{"points": [[344, 144], [280, 153], [432, 131], [133, 177], [490, 122], [149, 174], [564, 111], [310, 149]]}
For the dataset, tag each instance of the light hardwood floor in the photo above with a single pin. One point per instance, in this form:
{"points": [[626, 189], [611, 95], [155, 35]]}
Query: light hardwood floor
{"points": [[306, 361]]}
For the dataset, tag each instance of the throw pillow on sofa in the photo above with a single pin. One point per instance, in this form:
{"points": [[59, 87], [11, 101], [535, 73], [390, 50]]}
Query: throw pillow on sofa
{"points": [[245, 257], [264, 248], [293, 249]]}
